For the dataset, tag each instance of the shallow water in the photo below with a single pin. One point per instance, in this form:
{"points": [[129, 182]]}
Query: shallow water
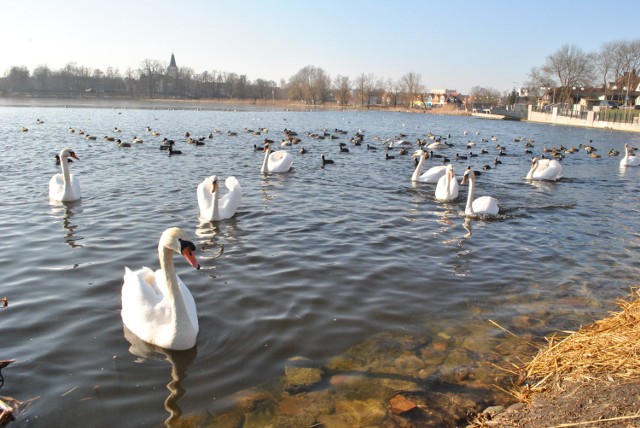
{"points": [[314, 262]]}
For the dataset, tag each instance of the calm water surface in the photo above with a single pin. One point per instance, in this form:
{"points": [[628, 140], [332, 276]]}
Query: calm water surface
{"points": [[314, 262]]}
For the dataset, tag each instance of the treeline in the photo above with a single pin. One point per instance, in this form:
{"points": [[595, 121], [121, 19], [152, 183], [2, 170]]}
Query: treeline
{"points": [[153, 79]]}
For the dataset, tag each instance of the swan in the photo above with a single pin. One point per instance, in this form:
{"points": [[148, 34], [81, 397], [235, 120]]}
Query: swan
{"points": [[214, 207], [484, 204], [432, 175], [157, 306], [544, 169], [447, 188], [629, 159], [64, 187], [278, 161]]}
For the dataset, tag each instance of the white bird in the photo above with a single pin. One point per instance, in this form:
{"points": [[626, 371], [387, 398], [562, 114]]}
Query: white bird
{"points": [[278, 161], [432, 175], [157, 306], [214, 207], [64, 187], [484, 205], [399, 143], [447, 188], [437, 145], [629, 159], [544, 169]]}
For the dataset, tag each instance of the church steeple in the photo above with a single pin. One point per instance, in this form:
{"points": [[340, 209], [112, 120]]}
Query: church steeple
{"points": [[172, 63]]}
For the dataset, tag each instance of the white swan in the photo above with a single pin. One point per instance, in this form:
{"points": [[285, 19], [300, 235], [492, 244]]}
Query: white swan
{"points": [[544, 169], [64, 187], [484, 205], [212, 206], [432, 175], [157, 306], [278, 161], [629, 160], [447, 188]]}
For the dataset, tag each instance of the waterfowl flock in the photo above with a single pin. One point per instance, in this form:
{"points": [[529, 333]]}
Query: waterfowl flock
{"points": [[158, 307]]}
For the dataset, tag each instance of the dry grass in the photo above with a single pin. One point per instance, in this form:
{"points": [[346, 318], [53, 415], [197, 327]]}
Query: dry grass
{"points": [[606, 350]]}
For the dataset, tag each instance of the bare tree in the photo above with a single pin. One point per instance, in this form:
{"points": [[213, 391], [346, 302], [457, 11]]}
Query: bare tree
{"points": [[151, 71], [343, 88], [394, 89], [42, 75], [413, 86], [571, 66], [310, 84], [18, 79]]}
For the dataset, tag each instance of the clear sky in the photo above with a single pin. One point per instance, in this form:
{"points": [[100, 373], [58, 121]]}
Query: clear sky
{"points": [[453, 44]]}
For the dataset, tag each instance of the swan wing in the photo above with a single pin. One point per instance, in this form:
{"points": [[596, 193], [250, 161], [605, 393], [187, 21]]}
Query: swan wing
{"points": [[146, 309], [59, 192], [205, 197], [433, 174], [630, 161], [552, 170], [454, 187], [485, 205], [75, 188], [280, 161], [442, 192], [144, 306], [230, 202], [56, 187]]}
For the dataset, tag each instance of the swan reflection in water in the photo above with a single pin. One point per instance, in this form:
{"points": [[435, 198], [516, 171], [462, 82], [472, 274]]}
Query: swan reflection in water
{"points": [[66, 211], [180, 362]]}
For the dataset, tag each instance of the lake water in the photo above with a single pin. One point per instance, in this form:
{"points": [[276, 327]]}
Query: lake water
{"points": [[315, 262]]}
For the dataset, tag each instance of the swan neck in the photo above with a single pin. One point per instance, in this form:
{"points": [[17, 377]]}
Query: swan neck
{"points": [[265, 170], [215, 205], [171, 278], [416, 173], [469, 209], [66, 174]]}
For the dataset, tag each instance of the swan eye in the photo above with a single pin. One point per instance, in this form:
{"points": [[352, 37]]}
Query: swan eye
{"points": [[186, 246]]}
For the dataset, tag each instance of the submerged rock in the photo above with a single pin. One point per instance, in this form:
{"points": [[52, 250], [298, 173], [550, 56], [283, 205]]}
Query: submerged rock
{"points": [[301, 374]]}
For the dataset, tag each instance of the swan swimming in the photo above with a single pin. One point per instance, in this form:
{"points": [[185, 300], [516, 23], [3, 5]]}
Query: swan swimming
{"points": [[157, 306], [544, 169], [215, 207], [278, 161], [64, 187], [629, 159], [432, 175], [447, 188], [484, 205]]}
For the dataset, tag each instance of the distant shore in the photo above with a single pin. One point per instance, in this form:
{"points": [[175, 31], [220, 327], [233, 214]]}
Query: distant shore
{"points": [[209, 104]]}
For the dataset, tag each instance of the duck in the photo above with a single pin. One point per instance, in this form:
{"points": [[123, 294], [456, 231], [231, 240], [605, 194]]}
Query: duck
{"points": [[447, 187], [276, 162], [387, 156], [171, 151], [343, 149], [65, 187], [484, 205], [432, 175], [157, 306], [214, 207], [326, 161], [629, 159], [544, 169], [371, 148]]}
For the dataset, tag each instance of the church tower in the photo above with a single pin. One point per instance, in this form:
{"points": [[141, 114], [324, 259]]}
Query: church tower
{"points": [[172, 70]]}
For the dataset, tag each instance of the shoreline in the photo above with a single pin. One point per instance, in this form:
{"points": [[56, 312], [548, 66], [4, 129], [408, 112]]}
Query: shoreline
{"points": [[209, 104]]}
